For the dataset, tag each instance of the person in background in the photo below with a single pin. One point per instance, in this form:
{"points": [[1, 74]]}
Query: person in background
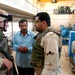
{"points": [[3, 43], [22, 43], [45, 56]]}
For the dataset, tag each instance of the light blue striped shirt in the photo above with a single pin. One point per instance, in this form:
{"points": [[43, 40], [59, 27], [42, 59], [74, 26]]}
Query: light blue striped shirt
{"points": [[23, 59]]}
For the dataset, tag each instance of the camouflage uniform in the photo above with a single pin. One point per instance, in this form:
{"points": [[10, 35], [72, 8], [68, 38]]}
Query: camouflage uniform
{"points": [[38, 51], [4, 18], [4, 46]]}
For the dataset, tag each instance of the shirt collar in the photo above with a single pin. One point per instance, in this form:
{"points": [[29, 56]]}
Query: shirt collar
{"points": [[28, 33]]}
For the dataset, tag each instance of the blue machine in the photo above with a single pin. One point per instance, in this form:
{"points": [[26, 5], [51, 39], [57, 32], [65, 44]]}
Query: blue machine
{"points": [[64, 34], [71, 39], [70, 52], [73, 28], [68, 36]]}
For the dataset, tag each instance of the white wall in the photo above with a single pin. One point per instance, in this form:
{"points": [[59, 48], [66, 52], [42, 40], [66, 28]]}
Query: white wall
{"points": [[16, 28], [66, 20]]}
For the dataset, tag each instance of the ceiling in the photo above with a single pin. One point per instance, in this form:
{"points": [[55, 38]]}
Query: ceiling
{"points": [[49, 3], [53, 0]]}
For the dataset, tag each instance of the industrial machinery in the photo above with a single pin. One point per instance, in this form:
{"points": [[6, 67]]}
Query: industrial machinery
{"points": [[68, 37], [65, 33], [71, 50]]}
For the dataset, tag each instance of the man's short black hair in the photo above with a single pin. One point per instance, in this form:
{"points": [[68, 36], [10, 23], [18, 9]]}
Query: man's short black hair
{"points": [[44, 16], [22, 20]]}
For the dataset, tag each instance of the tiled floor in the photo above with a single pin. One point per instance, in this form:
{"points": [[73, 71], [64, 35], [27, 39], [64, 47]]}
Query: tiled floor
{"points": [[64, 61]]}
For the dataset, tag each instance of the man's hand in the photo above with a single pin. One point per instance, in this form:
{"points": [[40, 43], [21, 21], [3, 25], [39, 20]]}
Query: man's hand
{"points": [[7, 63], [23, 49]]}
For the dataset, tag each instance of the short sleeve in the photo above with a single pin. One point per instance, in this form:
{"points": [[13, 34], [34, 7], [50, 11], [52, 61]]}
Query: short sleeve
{"points": [[50, 43]]}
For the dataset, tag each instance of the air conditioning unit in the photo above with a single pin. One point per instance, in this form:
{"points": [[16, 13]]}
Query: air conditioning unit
{"points": [[53, 1]]}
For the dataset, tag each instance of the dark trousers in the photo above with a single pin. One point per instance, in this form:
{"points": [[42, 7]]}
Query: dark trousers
{"points": [[25, 71]]}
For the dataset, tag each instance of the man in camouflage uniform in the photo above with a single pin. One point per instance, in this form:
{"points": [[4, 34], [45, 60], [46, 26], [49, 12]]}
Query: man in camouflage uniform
{"points": [[5, 64], [45, 58]]}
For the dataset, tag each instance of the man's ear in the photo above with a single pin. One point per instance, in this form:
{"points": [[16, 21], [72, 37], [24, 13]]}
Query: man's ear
{"points": [[44, 22]]}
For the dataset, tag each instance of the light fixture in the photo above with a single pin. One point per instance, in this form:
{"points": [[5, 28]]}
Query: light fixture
{"points": [[53, 1]]}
